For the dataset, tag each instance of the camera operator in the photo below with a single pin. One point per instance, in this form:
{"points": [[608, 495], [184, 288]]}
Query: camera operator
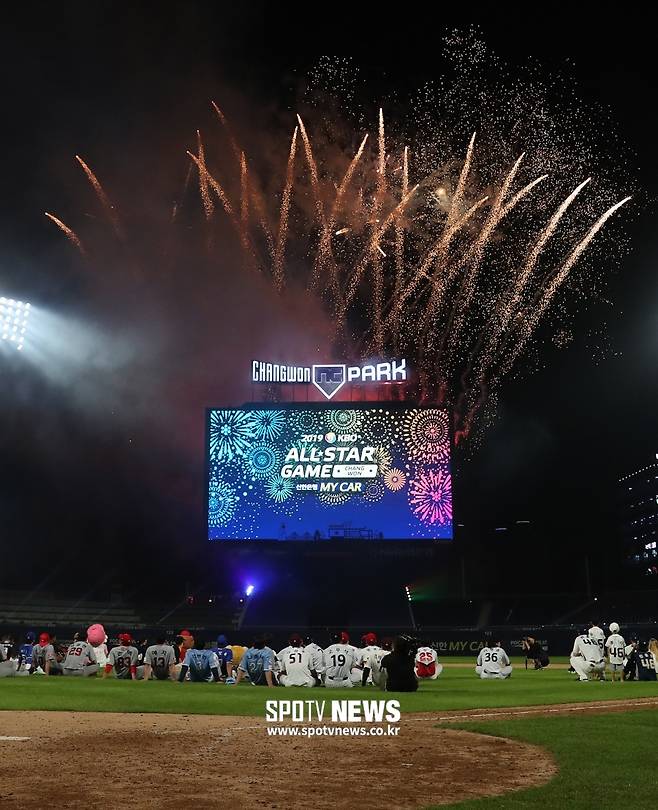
{"points": [[535, 653], [398, 673]]}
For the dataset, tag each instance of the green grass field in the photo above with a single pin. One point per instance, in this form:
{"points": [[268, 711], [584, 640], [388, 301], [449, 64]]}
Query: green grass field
{"points": [[457, 688], [604, 759]]}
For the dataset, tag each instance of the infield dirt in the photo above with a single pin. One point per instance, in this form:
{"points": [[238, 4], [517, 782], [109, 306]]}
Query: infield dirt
{"points": [[89, 760]]}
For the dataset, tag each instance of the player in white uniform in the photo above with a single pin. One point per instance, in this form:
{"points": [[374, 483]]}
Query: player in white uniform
{"points": [[586, 657], [616, 648], [316, 654], [295, 664], [339, 659], [357, 670], [370, 659], [426, 664], [598, 635], [493, 662], [8, 666], [101, 653]]}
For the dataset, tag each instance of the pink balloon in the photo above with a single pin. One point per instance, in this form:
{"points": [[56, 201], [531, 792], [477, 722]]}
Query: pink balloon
{"points": [[96, 634]]}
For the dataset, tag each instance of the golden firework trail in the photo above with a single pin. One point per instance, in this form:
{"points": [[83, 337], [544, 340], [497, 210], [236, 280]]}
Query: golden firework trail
{"points": [[70, 234], [454, 259], [204, 185], [399, 228], [279, 254], [109, 209], [556, 282]]}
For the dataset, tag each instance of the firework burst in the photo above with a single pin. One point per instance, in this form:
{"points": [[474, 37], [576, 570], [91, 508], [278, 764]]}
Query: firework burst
{"points": [[430, 497], [394, 479], [427, 435], [231, 434], [222, 501], [344, 421], [453, 247], [268, 425], [279, 489], [262, 460]]}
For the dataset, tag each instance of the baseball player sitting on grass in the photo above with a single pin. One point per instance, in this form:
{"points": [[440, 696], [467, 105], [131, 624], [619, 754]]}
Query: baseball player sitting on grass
{"points": [[340, 658], [123, 660], [316, 652], [587, 658], [202, 664], [493, 662], [80, 658], [159, 661], [25, 653], [8, 666], [370, 658], [44, 657], [641, 660], [224, 655], [257, 664], [296, 664], [616, 647], [426, 664]]}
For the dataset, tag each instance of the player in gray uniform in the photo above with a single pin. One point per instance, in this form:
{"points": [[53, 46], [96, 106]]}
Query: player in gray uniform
{"points": [[159, 661], [44, 657], [80, 658], [123, 660]]}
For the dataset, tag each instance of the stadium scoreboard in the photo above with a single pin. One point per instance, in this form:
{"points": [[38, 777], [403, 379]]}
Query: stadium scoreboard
{"points": [[327, 472]]}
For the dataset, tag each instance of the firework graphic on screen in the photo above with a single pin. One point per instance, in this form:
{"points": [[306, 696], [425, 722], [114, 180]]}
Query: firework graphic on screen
{"points": [[430, 496]]}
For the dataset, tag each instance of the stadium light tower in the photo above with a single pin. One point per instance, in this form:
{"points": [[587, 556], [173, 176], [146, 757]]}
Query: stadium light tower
{"points": [[409, 595], [13, 321]]}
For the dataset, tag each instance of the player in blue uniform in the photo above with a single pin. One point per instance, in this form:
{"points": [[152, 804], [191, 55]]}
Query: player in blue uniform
{"points": [[225, 657], [258, 664], [25, 652], [202, 664]]}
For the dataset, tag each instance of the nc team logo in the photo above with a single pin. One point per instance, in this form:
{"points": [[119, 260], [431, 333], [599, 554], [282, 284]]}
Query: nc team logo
{"points": [[328, 379]]}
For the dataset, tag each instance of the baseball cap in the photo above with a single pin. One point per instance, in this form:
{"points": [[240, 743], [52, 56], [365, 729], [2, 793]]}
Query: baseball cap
{"points": [[185, 634], [296, 640], [344, 637], [222, 641], [370, 638], [44, 638], [30, 635], [125, 638]]}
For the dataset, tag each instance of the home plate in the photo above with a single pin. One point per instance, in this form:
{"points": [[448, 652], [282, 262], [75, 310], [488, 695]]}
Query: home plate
{"points": [[13, 739]]}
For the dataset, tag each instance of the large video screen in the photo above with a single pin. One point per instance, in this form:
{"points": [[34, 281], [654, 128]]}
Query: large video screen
{"points": [[329, 473]]}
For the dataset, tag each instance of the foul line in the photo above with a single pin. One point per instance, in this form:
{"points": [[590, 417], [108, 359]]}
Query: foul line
{"points": [[583, 707]]}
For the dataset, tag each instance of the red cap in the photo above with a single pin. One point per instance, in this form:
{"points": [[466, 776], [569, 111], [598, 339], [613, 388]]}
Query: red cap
{"points": [[44, 638], [185, 634], [344, 637], [370, 638], [125, 638], [296, 640]]}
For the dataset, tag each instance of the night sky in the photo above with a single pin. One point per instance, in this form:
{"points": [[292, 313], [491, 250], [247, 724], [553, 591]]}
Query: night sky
{"points": [[103, 80]]}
